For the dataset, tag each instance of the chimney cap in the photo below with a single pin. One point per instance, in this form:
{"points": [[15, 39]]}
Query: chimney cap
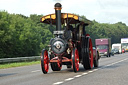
{"points": [[58, 5]]}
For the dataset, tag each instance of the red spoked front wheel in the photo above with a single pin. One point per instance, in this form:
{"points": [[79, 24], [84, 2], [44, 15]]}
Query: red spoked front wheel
{"points": [[75, 60], [44, 61]]}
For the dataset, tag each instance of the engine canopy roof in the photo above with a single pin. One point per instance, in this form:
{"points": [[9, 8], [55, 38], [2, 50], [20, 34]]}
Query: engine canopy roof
{"points": [[70, 19]]}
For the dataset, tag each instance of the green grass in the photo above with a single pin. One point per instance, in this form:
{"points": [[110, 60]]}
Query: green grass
{"points": [[18, 64]]}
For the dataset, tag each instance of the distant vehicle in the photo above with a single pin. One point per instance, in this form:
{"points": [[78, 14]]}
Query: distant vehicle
{"points": [[124, 43], [123, 50], [103, 46], [117, 46], [112, 52], [115, 51]]}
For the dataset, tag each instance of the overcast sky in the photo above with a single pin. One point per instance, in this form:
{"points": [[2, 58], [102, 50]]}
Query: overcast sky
{"points": [[103, 11]]}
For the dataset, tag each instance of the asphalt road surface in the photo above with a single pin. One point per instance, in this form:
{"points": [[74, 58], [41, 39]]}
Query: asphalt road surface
{"points": [[111, 71]]}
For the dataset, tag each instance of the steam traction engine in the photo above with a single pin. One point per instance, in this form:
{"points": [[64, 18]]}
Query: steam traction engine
{"points": [[70, 46]]}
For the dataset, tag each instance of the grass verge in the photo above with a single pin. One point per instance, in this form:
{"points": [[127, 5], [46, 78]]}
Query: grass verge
{"points": [[18, 64]]}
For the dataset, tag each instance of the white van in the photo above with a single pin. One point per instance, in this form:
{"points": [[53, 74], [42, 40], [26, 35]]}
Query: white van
{"points": [[117, 46]]}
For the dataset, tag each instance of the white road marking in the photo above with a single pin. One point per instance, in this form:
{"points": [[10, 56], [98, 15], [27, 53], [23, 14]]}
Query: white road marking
{"points": [[117, 62], [84, 73], [90, 71], [35, 71], [95, 70], [77, 76], [69, 79], [57, 83]]}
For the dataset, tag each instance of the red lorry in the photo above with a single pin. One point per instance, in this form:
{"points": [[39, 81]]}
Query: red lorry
{"points": [[103, 46]]}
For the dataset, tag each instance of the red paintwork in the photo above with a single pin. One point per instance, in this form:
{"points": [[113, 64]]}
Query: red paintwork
{"points": [[91, 52], [87, 35], [77, 60], [46, 61], [64, 59]]}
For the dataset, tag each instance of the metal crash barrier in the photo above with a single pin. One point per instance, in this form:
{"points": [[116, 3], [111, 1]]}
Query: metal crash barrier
{"points": [[19, 59]]}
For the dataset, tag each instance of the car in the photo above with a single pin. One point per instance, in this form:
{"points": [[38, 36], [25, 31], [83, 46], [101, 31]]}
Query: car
{"points": [[116, 51], [112, 52], [123, 50]]}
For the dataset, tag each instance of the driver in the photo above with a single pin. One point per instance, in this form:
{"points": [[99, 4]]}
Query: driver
{"points": [[68, 32]]}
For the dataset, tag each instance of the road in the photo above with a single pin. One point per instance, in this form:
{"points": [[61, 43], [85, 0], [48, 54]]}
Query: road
{"points": [[111, 71]]}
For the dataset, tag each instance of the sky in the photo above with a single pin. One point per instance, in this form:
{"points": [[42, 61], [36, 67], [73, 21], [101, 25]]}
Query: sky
{"points": [[102, 11]]}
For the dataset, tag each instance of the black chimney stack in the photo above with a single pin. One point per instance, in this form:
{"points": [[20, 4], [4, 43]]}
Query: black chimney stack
{"points": [[58, 16]]}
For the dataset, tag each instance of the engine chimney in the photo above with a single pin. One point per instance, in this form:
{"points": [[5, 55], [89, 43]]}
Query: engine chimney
{"points": [[58, 16]]}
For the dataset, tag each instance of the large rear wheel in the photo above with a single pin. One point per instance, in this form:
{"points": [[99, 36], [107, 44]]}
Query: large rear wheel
{"points": [[44, 61], [56, 66], [88, 58], [75, 60]]}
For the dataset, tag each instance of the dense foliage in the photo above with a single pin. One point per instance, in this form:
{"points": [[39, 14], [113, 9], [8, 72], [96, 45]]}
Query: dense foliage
{"points": [[26, 36], [21, 35], [114, 31]]}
